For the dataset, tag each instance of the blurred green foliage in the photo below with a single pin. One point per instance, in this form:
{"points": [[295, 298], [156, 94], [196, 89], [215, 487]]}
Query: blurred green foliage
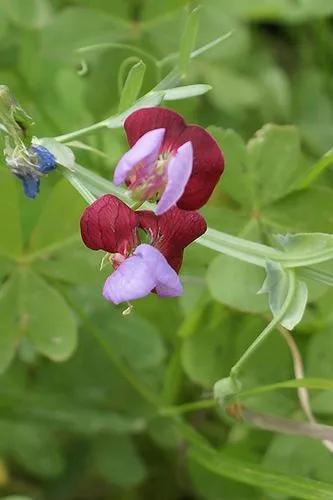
{"points": [[88, 428]]}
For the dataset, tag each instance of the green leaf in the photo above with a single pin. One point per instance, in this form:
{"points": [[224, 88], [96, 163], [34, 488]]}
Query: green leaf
{"points": [[164, 432], [186, 92], [263, 171], [255, 475], [36, 13], [6, 266], [319, 353], [274, 162], [296, 213], [239, 90], [74, 414], [306, 245], [65, 34], [9, 324], [299, 455], [49, 322], [132, 86], [118, 461], [237, 180], [208, 353], [16, 497], [34, 447], [311, 99], [63, 154], [74, 264], [276, 285], [210, 485], [10, 223], [136, 340], [188, 41], [236, 284], [58, 223], [193, 318], [320, 166]]}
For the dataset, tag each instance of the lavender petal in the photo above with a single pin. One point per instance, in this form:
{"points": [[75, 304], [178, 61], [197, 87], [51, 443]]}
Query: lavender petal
{"points": [[179, 172], [146, 150]]}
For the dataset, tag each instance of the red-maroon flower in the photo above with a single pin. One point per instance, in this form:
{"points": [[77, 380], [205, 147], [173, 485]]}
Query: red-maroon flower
{"points": [[169, 161], [172, 232], [110, 225]]}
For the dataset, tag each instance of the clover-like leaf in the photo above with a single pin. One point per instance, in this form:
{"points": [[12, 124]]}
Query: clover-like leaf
{"points": [[276, 285]]}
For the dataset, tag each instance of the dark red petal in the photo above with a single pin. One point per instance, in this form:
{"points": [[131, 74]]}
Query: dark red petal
{"points": [[143, 120], [208, 165], [109, 224], [208, 162], [173, 231]]}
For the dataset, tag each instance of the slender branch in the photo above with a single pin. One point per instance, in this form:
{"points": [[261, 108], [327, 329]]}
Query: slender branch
{"points": [[318, 275], [50, 249], [269, 328], [81, 188], [239, 248], [89, 184], [172, 411], [81, 132], [303, 394], [171, 79], [116, 45], [287, 426]]}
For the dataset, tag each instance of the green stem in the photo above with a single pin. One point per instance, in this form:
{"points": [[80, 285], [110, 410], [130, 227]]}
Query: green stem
{"points": [[122, 75], [81, 188], [269, 328], [239, 248], [81, 132], [123, 46], [173, 377], [137, 205], [318, 275], [48, 250], [257, 253], [170, 80], [187, 407]]}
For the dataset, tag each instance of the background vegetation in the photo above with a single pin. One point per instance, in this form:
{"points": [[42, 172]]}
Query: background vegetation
{"points": [[80, 383]]}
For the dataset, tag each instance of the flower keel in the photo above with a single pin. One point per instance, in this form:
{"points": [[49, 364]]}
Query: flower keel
{"points": [[140, 274]]}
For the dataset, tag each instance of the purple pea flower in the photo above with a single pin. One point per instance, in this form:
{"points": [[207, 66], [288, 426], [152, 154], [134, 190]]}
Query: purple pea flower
{"points": [[140, 268], [169, 161], [146, 270]]}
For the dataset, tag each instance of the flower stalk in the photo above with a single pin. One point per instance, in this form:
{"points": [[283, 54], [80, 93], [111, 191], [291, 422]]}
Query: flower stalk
{"points": [[234, 372]]}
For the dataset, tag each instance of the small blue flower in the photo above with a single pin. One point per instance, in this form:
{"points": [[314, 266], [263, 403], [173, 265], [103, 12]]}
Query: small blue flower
{"points": [[29, 165], [45, 159], [30, 185]]}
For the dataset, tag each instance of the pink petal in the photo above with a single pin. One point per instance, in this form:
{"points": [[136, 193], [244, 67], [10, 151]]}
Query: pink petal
{"points": [[140, 274], [146, 150], [172, 231], [208, 161], [167, 282], [179, 172], [132, 280]]}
